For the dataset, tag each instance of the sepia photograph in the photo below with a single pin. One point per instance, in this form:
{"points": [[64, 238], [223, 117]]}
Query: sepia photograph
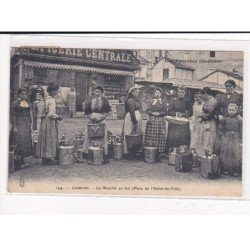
{"points": [[127, 122]]}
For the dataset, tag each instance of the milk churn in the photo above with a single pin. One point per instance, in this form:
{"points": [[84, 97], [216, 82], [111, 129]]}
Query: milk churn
{"points": [[66, 155], [118, 148], [150, 154], [173, 152], [95, 155]]}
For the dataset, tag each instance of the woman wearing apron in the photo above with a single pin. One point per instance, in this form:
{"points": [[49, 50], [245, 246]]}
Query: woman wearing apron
{"points": [[155, 134], [97, 111], [133, 120], [48, 134]]}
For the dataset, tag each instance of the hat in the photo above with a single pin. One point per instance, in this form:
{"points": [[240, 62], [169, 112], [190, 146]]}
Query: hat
{"points": [[158, 88], [132, 89]]}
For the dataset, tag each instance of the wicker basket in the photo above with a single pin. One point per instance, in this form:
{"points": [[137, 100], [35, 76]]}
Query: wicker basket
{"points": [[134, 142]]}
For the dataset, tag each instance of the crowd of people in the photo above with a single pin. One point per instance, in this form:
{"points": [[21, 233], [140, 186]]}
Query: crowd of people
{"points": [[214, 122]]}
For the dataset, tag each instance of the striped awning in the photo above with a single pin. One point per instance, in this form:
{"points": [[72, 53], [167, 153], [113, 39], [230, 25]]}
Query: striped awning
{"points": [[78, 68]]}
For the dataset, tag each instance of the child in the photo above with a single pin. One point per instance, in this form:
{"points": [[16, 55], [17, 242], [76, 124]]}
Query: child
{"points": [[21, 125], [48, 134], [230, 155]]}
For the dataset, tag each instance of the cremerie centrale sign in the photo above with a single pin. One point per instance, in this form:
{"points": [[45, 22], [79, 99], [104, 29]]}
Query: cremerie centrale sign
{"points": [[102, 55]]}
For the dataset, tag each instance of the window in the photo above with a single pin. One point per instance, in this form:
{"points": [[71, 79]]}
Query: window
{"points": [[212, 53], [165, 74]]}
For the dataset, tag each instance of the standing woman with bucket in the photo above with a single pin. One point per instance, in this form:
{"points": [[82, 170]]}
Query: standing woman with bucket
{"points": [[155, 134], [133, 120], [48, 134]]}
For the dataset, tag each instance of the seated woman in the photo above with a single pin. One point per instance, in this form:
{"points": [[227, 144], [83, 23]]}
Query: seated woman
{"points": [[133, 120], [179, 134], [155, 134], [97, 111]]}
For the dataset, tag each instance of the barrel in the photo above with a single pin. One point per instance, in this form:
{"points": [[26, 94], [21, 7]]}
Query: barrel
{"points": [[150, 154], [66, 155], [95, 156]]}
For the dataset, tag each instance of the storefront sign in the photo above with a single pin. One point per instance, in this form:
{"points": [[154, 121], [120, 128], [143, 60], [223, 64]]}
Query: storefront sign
{"points": [[114, 56]]}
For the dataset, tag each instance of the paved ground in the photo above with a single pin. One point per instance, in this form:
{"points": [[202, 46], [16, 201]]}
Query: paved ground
{"points": [[117, 177]]}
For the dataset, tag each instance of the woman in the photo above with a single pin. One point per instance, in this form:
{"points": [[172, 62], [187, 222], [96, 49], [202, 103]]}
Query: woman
{"points": [[230, 155], [21, 125], [97, 111], [133, 120], [155, 134], [48, 134], [195, 121], [179, 134]]}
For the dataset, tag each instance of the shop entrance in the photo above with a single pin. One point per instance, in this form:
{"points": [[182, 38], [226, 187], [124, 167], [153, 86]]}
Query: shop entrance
{"points": [[81, 80]]}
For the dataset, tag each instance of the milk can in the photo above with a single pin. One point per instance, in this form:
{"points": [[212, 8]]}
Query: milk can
{"points": [[95, 155], [118, 149], [150, 154], [173, 152], [66, 155]]}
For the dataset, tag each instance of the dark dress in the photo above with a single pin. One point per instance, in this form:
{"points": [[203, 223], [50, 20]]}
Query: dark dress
{"points": [[133, 120], [231, 153], [21, 123], [179, 134], [155, 134]]}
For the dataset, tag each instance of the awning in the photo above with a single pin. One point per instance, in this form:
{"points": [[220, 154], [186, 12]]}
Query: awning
{"points": [[78, 68], [196, 84], [192, 84]]}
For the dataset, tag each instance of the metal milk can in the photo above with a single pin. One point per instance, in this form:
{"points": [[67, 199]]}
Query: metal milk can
{"points": [[173, 152], [118, 149], [150, 154], [95, 155]]}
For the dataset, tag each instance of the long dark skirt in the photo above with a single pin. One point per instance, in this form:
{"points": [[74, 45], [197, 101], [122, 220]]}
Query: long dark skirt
{"points": [[48, 138], [231, 155], [155, 134], [178, 135], [22, 137]]}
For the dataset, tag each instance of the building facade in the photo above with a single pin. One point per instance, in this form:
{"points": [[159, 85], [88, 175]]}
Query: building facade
{"points": [[114, 70]]}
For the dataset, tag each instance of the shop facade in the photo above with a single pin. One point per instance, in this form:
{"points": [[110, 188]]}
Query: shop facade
{"points": [[114, 70]]}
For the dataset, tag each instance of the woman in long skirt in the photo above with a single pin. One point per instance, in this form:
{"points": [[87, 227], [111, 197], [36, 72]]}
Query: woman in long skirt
{"points": [[195, 121], [21, 125], [179, 134], [48, 134], [231, 155], [155, 134], [133, 120], [97, 110]]}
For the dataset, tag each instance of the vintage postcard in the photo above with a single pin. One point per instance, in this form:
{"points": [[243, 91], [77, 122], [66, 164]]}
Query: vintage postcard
{"points": [[137, 122]]}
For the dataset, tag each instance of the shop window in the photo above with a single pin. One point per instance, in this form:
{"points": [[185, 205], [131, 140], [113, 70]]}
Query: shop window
{"points": [[165, 74], [40, 75], [212, 54]]}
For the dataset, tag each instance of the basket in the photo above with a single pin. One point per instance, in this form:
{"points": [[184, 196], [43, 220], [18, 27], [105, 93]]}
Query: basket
{"points": [[134, 142]]}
